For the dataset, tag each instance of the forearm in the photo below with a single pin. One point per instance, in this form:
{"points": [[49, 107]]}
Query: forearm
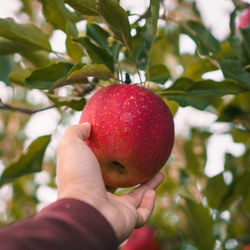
{"points": [[65, 224]]}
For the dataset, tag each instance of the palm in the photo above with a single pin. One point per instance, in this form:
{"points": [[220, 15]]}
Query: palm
{"points": [[126, 213], [134, 209], [79, 176]]}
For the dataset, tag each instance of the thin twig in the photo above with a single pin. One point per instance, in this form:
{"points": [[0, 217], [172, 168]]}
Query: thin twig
{"points": [[58, 54], [24, 110], [213, 61]]}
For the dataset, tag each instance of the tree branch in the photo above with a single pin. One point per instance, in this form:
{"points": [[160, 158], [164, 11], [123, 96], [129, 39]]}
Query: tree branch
{"points": [[24, 110]]}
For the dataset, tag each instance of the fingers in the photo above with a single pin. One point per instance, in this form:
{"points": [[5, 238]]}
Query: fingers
{"points": [[73, 133], [146, 207], [154, 182], [135, 196], [81, 131]]}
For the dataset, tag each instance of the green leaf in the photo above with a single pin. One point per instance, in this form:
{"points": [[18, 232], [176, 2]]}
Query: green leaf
{"points": [[206, 87], [76, 67], [74, 50], [172, 105], [242, 184], [231, 164], [233, 15], [237, 110], [237, 190], [98, 34], [192, 161], [115, 50], [241, 135], [19, 75], [74, 102], [246, 42], [166, 45], [140, 50], [127, 65], [159, 73], [230, 113], [5, 69], [94, 70], [215, 191], [8, 47], [186, 99], [199, 94], [29, 162], [97, 54], [44, 78], [37, 57], [203, 38], [117, 20], [195, 67], [239, 50], [27, 35], [221, 196], [209, 87], [179, 92], [85, 7], [79, 74], [151, 23], [233, 69], [59, 16], [240, 45], [200, 225], [181, 84]]}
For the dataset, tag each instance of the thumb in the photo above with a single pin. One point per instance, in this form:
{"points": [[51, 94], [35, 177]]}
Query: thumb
{"points": [[74, 133], [82, 131]]}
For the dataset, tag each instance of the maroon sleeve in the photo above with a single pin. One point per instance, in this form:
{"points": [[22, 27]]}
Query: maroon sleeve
{"points": [[66, 224]]}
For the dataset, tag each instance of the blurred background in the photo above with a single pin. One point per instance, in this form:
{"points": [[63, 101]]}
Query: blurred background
{"points": [[211, 152]]}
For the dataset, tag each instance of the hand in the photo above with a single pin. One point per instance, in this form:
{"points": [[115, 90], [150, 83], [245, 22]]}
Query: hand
{"points": [[79, 176]]}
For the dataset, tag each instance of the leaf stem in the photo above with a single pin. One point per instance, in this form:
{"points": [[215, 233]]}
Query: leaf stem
{"points": [[24, 110], [213, 61]]}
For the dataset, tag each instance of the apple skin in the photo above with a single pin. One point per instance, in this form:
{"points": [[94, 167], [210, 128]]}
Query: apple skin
{"points": [[244, 19], [246, 247], [132, 133], [142, 239]]}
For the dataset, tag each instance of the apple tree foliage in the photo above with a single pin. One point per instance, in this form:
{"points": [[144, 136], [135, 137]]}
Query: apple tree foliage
{"points": [[106, 43]]}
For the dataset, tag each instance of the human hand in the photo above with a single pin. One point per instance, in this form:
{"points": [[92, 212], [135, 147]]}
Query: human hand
{"points": [[79, 176]]}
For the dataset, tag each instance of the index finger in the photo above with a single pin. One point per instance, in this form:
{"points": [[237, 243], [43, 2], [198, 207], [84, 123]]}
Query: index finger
{"points": [[135, 196]]}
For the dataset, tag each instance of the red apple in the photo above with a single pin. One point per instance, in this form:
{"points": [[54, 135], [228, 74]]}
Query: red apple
{"points": [[132, 133], [246, 247], [142, 239], [244, 19]]}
